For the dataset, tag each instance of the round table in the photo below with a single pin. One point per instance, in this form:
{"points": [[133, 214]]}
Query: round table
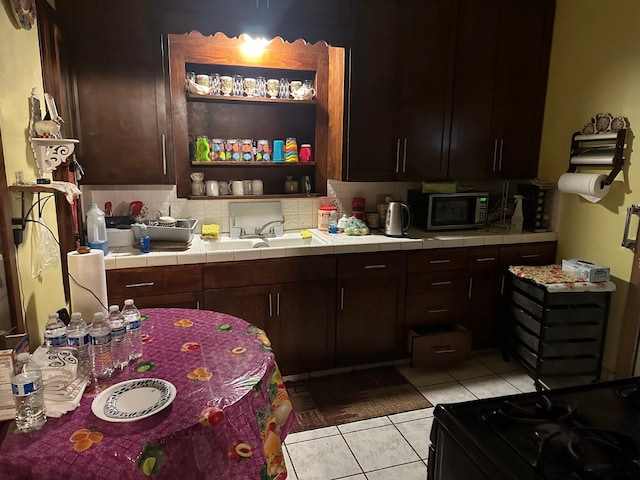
{"points": [[228, 420]]}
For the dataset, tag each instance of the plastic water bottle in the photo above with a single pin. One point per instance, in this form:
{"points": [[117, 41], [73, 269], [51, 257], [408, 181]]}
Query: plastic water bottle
{"points": [[145, 243], [78, 337], [134, 328], [517, 220], [97, 229], [100, 347], [28, 394], [119, 339], [55, 332]]}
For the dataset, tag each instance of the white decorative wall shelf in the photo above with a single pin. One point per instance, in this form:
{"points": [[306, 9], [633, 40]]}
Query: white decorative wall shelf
{"points": [[51, 152]]}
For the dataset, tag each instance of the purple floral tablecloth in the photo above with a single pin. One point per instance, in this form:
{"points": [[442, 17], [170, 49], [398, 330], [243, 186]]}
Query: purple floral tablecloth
{"points": [[229, 418]]}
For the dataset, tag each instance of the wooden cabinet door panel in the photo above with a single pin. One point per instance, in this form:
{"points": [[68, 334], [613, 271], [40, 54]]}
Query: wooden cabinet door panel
{"points": [[437, 282], [435, 309], [301, 331], [368, 325], [438, 260], [481, 317], [528, 254], [145, 281], [248, 303]]}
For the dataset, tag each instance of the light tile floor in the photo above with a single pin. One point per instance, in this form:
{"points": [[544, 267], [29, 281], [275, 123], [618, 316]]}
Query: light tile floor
{"points": [[397, 446]]}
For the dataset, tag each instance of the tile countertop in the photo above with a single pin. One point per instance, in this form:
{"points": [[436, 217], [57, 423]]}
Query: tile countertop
{"points": [[200, 250]]}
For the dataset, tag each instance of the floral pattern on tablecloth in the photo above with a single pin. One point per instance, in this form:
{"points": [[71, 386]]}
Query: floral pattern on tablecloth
{"points": [[228, 420], [554, 279]]}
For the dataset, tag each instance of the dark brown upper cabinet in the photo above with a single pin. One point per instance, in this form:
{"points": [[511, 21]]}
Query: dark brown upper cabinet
{"points": [[501, 67], [400, 68]]}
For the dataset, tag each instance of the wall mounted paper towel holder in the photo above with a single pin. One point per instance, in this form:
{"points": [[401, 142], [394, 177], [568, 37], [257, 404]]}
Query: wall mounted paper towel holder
{"points": [[598, 150]]}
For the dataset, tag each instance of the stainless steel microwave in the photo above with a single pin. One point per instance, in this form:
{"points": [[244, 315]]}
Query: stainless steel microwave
{"points": [[448, 211]]}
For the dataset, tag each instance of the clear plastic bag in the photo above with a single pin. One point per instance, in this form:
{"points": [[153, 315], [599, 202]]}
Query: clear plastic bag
{"points": [[44, 249]]}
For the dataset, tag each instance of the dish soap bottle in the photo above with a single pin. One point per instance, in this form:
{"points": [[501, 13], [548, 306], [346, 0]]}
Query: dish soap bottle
{"points": [[517, 219]]}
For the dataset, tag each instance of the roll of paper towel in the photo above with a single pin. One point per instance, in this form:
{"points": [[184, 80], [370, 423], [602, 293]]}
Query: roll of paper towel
{"points": [[89, 271], [587, 185]]}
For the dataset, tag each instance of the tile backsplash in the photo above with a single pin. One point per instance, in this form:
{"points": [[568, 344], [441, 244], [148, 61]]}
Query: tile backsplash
{"points": [[299, 213]]}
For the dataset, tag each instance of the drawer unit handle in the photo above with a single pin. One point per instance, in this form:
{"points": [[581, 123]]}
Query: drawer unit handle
{"points": [[277, 304], [532, 255], [270, 306], [143, 284], [373, 267], [438, 284], [486, 259], [433, 262], [438, 310], [447, 350]]}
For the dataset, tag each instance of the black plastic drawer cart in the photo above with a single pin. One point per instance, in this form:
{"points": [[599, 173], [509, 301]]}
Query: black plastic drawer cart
{"points": [[557, 333]]}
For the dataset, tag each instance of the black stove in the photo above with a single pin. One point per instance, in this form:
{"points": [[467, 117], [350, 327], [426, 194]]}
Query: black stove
{"points": [[577, 433]]}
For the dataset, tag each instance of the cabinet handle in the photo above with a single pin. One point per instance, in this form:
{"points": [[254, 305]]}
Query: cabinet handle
{"points": [[374, 267], [502, 285], [143, 284], [197, 304], [398, 156], [495, 154], [270, 306], [448, 350], [433, 262], [438, 284], [532, 255], [257, 3], [438, 310], [500, 161], [268, 6], [404, 157], [486, 259], [341, 298], [164, 153], [277, 304], [470, 286]]}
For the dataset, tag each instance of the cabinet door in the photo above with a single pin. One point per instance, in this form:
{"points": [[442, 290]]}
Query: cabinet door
{"points": [[249, 303], [302, 327], [481, 317], [474, 145], [375, 81], [426, 96], [521, 81], [117, 52]]}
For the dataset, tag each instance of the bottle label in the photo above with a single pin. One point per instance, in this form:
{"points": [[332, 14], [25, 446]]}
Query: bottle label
{"points": [[57, 341], [118, 332], [134, 324], [101, 340], [78, 341], [22, 389]]}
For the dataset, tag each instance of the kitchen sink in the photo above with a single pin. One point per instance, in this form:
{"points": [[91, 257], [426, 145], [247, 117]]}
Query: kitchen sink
{"points": [[292, 239]]}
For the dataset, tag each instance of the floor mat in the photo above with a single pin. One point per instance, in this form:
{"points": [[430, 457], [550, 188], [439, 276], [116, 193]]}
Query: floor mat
{"points": [[352, 396]]}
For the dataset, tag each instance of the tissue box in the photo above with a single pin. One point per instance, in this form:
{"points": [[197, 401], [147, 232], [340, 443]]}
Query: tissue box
{"points": [[588, 270]]}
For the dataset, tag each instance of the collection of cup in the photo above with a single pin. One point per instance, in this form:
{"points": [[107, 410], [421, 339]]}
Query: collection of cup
{"points": [[239, 86], [204, 149], [215, 188]]}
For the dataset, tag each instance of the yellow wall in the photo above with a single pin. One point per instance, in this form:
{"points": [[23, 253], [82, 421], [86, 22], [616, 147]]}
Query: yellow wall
{"points": [[20, 71], [595, 68]]}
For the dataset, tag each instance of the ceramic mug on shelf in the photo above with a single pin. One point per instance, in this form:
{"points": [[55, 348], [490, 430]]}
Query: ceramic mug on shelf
{"points": [[226, 85], [294, 86], [249, 86], [273, 87], [223, 187], [237, 188], [197, 188], [212, 188], [246, 186], [257, 187], [197, 176]]}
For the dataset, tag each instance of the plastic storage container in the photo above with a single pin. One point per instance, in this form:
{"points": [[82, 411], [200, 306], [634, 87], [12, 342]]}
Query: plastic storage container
{"points": [[97, 229], [28, 394]]}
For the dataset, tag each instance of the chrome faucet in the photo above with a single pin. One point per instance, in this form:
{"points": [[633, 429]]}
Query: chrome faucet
{"points": [[272, 231]]}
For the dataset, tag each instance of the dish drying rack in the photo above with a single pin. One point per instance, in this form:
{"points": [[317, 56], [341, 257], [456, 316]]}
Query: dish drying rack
{"points": [[598, 150]]}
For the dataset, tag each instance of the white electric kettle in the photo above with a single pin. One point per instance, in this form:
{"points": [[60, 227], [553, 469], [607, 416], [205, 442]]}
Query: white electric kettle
{"points": [[398, 219]]}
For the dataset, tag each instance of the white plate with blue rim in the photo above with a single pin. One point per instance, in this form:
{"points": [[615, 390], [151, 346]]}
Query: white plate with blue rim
{"points": [[133, 400]]}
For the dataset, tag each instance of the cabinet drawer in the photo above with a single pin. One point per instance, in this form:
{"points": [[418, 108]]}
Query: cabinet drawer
{"points": [[135, 282], [579, 365], [372, 265], [433, 309], [528, 254], [434, 348], [437, 282], [566, 348], [485, 258], [540, 294], [577, 313], [269, 272], [438, 260]]}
